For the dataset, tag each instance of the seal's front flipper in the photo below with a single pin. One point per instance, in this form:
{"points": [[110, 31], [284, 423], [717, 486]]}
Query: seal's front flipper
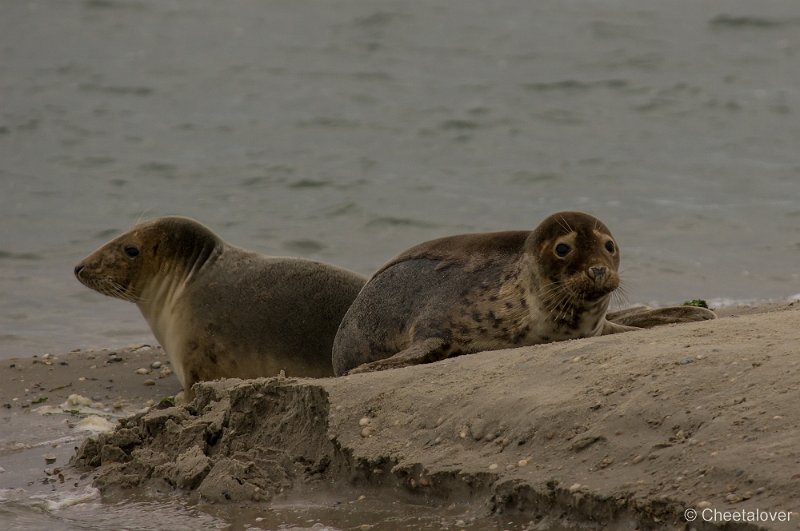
{"points": [[618, 315], [650, 317], [614, 328], [426, 351]]}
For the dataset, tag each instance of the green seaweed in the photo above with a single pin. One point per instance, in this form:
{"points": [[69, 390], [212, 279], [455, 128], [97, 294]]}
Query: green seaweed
{"points": [[700, 303], [167, 401]]}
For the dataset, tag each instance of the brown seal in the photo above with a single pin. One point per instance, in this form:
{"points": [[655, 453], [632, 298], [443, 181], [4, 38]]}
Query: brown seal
{"points": [[476, 292], [220, 311]]}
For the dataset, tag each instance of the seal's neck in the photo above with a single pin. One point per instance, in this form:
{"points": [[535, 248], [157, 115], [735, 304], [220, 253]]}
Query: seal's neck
{"points": [[161, 296]]}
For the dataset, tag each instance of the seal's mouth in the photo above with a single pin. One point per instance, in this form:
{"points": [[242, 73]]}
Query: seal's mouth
{"points": [[581, 291], [594, 297], [593, 291], [104, 285]]}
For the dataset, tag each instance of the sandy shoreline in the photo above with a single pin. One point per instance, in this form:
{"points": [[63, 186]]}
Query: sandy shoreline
{"points": [[626, 430]]}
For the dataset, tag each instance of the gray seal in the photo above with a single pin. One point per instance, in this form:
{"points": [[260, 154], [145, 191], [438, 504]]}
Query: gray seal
{"points": [[476, 292], [220, 311]]}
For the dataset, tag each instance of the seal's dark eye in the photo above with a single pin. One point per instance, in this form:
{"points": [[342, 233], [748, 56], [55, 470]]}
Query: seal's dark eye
{"points": [[562, 250], [132, 251], [610, 246]]}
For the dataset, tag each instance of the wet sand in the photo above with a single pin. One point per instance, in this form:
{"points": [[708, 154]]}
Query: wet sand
{"points": [[626, 430], [38, 419]]}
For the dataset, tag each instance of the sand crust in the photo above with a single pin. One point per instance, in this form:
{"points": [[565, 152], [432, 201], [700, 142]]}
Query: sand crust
{"points": [[626, 430]]}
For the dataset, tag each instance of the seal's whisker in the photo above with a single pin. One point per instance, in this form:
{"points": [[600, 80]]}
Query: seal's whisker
{"points": [[121, 292], [551, 289], [563, 223], [556, 299], [619, 298], [143, 214], [565, 307]]}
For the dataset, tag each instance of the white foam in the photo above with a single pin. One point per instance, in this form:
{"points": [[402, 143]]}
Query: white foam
{"points": [[54, 442], [55, 503], [95, 424], [78, 400], [80, 405]]}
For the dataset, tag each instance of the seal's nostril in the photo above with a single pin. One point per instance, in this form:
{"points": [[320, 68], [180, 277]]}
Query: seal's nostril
{"points": [[595, 272], [78, 269]]}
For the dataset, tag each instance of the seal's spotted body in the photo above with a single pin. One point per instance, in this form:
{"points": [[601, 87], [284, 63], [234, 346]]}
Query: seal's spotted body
{"points": [[476, 292]]}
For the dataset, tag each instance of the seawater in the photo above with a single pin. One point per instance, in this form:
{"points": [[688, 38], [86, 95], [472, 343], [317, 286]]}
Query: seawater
{"points": [[347, 131]]}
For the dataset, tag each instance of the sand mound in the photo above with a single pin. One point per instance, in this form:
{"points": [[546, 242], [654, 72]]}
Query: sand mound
{"points": [[626, 430]]}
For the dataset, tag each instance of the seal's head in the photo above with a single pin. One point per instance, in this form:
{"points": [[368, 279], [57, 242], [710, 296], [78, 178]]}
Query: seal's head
{"points": [[167, 247], [575, 260]]}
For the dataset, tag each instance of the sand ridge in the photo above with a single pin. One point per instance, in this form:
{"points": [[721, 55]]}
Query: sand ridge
{"points": [[625, 430]]}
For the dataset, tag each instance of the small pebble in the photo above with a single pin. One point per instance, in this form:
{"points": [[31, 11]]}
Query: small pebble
{"points": [[164, 372], [2, 470], [362, 497], [142, 371], [637, 459], [493, 466], [575, 487], [703, 504], [49, 459], [522, 462], [149, 382], [366, 432], [155, 365], [364, 421]]}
